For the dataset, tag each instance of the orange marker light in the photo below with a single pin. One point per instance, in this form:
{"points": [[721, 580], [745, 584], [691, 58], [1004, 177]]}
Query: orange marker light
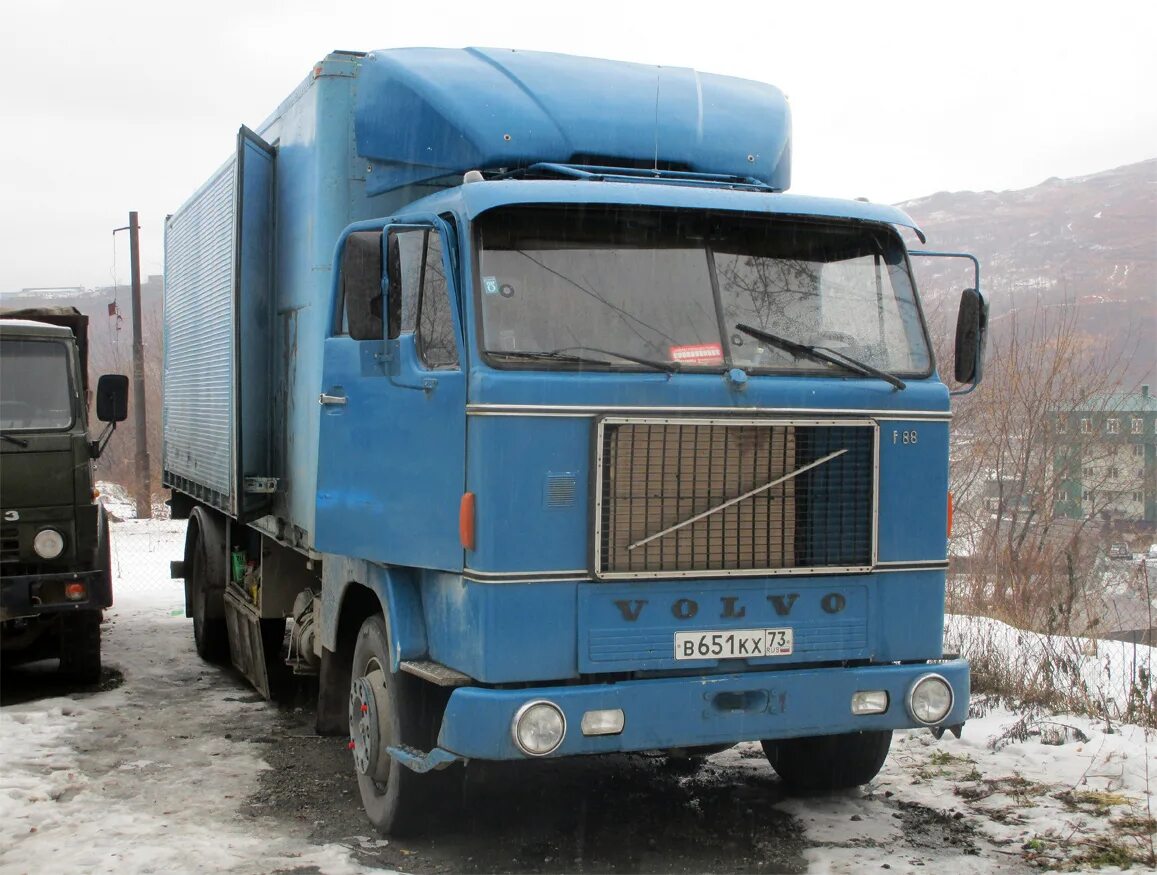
{"points": [[466, 521], [950, 510], [74, 592]]}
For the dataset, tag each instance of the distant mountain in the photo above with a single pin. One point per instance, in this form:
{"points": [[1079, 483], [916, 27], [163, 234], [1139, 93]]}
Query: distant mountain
{"points": [[1090, 240]]}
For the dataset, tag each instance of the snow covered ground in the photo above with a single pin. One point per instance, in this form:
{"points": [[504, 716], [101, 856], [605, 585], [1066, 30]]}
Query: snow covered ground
{"points": [[152, 776], [147, 777]]}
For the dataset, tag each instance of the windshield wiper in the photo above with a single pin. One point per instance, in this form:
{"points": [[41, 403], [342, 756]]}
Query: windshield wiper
{"points": [[669, 367], [557, 355], [18, 441], [822, 354], [565, 355]]}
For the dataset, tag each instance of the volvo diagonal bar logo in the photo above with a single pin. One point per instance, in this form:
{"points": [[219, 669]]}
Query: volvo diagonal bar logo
{"points": [[733, 501]]}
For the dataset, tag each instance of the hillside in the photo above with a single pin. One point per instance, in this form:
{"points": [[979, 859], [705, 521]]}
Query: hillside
{"points": [[1089, 241], [111, 337]]}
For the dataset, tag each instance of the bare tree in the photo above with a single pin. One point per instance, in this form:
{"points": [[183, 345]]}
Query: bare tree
{"points": [[1019, 458], [118, 463]]}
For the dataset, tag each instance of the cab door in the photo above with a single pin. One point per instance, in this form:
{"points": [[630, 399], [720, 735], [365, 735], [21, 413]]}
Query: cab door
{"points": [[392, 442]]}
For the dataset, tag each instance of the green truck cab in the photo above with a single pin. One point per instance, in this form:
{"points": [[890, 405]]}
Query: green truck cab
{"points": [[55, 568]]}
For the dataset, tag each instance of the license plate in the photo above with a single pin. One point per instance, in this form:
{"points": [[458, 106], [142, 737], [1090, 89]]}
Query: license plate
{"points": [[733, 644]]}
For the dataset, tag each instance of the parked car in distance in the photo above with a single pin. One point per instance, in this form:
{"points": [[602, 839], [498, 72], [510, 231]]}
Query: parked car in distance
{"points": [[1120, 551]]}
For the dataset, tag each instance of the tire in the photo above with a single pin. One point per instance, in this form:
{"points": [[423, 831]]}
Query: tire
{"points": [[396, 799], [104, 555], [823, 763], [210, 632], [80, 647]]}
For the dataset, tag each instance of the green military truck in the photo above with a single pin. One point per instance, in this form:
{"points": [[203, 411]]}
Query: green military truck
{"points": [[55, 569]]}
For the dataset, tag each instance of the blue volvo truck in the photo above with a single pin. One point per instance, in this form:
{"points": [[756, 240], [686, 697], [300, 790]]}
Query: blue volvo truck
{"points": [[510, 395]]}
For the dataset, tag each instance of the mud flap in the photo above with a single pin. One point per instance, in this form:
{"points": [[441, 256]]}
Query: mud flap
{"points": [[246, 643]]}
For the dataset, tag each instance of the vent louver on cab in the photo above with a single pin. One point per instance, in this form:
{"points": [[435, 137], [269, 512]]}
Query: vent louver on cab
{"points": [[559, 490], [654, 476]]}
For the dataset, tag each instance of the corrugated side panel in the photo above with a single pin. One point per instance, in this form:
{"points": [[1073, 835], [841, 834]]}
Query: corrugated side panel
{"points": [[198, 408]]}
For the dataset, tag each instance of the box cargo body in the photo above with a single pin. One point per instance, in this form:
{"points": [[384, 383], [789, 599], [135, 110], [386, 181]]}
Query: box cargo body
{"points": [[245, 312]]}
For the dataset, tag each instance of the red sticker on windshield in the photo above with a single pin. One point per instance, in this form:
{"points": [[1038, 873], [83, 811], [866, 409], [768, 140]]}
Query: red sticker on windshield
{"points": [[698, 354]]}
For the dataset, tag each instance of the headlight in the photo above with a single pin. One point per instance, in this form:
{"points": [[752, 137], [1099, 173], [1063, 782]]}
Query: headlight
{"points": [[538, 728], [930, 699], [48, 543]]}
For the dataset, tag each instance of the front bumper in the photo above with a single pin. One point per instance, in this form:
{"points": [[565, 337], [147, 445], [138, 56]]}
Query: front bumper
{"points": [[31, 595], [674, 712]]}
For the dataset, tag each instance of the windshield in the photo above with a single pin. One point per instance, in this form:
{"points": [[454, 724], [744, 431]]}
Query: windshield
{"points": [[34, 385], [671, 287]]}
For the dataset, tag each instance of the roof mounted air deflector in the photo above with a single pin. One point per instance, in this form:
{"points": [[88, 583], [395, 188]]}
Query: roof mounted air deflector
{"points": [[487, 109]]}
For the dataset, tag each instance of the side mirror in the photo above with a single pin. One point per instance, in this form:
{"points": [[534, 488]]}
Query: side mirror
{"points": [[361, 285], [112, 398], [971, 336]]}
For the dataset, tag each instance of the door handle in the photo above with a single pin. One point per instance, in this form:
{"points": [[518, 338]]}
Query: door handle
{"points": [[331, 399]]}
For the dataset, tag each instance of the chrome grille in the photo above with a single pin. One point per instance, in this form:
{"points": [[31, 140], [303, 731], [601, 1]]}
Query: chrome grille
{"points": [[654, 475], [9, 545]]}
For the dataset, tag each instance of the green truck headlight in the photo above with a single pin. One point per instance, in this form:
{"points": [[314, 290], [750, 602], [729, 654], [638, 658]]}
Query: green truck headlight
{"points": [[48, 543]]}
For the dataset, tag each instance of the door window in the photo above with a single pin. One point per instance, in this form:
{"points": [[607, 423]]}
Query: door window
{"points": [[425, 297]]}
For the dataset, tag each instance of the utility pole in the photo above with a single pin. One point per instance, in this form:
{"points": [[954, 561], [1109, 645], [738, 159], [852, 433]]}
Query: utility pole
{"points": [[144, 478]]}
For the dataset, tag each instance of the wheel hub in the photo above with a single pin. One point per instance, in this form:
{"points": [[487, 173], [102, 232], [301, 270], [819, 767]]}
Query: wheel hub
{"points": [[367, 737]]}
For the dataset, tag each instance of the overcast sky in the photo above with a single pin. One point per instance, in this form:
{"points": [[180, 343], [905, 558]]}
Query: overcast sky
{"points": [[125, 104]]}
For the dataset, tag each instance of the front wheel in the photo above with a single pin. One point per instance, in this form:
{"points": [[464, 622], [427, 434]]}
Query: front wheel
{"points": [[822, 763], [389, 708]]}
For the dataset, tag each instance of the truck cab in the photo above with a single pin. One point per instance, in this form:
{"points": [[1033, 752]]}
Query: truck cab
{"points": [[55, 571]]}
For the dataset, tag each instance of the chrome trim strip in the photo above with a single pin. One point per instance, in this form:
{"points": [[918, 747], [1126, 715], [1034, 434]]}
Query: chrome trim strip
{"points": [[586, 411], [524, 576], [742, 572], [584, 576], [875, 492], [913, 565], [729, 420]]}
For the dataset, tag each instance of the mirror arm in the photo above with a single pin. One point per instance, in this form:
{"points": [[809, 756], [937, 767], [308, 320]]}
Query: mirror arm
{"points": [[926, 253], [97, 447]]}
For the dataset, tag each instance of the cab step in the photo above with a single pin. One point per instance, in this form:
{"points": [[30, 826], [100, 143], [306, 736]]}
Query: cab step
{"points": [[436, 673]]}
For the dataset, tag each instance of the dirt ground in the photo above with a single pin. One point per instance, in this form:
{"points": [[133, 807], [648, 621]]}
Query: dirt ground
{"points": [[627, 813]]}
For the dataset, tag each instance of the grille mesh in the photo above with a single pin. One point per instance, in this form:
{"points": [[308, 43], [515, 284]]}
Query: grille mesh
{"points": [[9, 545], [656, 475]]}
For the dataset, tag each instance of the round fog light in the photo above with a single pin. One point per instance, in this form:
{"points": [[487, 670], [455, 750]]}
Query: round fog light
{"points": [[48, 543], [930, 699], [539, 728]]}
